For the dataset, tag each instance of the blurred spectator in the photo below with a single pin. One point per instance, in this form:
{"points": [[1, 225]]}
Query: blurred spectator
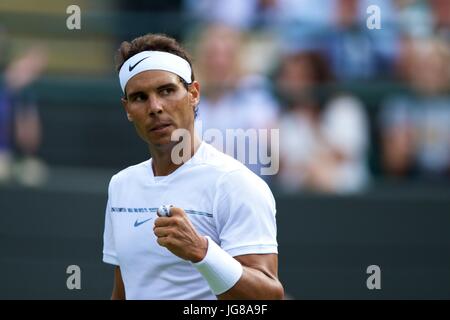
{"points": [[358, 52], [5, 155], [242, 15], [441, 10], [19, 119], [323, 141], [230, 99], [338, 27], [415, 18], [415, 128], [419, 19]]}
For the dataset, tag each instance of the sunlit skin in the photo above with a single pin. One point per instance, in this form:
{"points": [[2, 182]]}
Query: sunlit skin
{"points": [[158, 103]]}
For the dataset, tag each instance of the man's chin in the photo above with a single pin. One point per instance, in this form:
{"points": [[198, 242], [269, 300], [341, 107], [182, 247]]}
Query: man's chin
{"points": [[159, 139], [162, 142]]}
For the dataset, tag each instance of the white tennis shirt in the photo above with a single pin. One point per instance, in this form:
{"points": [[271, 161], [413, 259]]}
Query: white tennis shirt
{"points": [[222, 198]]}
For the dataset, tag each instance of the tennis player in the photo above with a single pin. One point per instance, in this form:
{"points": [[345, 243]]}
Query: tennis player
{"points": [[217, 240]]}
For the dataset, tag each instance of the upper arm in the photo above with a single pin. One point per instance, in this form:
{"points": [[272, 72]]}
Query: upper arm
{"points": [[118, 292], [265, 263], [259, 279]]}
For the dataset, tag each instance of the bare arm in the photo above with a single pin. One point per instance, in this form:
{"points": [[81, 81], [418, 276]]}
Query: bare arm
{"points": [[118, 292], [259, 279]]}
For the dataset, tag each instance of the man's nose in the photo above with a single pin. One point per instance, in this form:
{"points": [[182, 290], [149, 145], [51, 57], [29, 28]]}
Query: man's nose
{"points": [[154, 105]]}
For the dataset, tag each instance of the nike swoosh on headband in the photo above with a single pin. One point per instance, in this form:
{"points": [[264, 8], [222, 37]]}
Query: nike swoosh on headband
{"points": [[160, 60], [137, 223], [130, 68]]}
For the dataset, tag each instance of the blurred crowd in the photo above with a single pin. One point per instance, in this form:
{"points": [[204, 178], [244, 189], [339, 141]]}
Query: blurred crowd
{"points": [[285, 64], [20, 125], [290, 65]]}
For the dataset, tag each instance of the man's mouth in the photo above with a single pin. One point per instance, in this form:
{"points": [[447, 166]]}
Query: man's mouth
{"points": [[160, 127]]}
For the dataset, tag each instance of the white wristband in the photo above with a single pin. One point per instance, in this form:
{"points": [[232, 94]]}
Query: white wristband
{"points": [[220, 270]]}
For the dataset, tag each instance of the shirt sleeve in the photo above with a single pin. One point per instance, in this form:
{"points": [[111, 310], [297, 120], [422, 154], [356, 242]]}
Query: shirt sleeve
{"points": [[245, 214], [109, 248]]}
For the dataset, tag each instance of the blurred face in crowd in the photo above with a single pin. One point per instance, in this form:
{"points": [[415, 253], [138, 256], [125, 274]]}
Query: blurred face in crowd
{"points": [[296, 75], [300, 75], [347, 12], [429, 71], [158, 103], [218, 55]]}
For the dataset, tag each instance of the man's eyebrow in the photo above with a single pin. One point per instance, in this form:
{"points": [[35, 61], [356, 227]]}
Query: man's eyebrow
{"points": [[135, 94], [166, 86], [161, 87]]}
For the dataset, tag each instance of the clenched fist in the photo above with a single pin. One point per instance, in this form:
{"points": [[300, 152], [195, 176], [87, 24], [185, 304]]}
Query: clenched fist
{"points": [[178, 235]]}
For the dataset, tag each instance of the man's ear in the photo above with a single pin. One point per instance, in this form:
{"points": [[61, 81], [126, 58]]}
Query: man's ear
{"points": [[194, 93], [125, 106]]}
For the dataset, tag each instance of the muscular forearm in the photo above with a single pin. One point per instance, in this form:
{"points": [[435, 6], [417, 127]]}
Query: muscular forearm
{"points": [[254, 284], [246, 276]]}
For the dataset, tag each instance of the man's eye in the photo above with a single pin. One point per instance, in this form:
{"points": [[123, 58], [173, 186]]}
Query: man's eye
{"points": [[167, 91], [140, 97]]}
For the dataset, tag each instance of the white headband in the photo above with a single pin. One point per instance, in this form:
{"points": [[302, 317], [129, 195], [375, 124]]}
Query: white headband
{"points": [[154, 60]]}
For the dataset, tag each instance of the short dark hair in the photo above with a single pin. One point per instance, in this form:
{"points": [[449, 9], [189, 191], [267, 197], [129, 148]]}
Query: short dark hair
{"points": [[154, 42]]}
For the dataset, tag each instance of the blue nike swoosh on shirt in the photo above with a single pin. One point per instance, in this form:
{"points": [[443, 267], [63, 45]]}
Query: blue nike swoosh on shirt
{"points": [[137, 223]]}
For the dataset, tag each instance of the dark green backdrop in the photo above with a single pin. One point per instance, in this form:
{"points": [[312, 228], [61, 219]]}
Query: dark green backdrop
{"points": [[325, 244]]}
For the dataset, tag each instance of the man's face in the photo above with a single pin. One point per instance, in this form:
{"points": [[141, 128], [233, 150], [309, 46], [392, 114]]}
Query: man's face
{"points": [[158, 103]]}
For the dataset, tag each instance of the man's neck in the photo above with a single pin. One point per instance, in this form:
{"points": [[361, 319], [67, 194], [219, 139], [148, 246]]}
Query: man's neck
{"points": [[162, 164]]}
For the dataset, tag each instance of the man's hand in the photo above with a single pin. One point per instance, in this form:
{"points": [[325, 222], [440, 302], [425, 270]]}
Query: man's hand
{"points": [[259, 279], [179, 236]]}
